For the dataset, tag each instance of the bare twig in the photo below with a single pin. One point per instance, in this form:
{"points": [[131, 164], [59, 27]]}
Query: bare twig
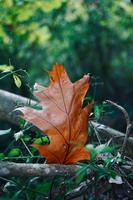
{"points": [[122, 109], [96, 132], [77, 192], [105, 131], [128, 128]]}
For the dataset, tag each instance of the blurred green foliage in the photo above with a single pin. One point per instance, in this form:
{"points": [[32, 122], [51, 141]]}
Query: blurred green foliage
{"points": [[87, 36]]}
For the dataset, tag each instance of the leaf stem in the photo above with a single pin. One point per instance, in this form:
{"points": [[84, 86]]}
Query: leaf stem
{"points": [[26, 147], [12, 72]]}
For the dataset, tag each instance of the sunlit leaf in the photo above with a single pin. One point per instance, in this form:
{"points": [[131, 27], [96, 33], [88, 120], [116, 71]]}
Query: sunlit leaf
{"points": [[17, 80], [6, 68]]}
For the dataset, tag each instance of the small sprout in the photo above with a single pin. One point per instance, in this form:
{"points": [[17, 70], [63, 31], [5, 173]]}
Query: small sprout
{"points": [[18, 135]]}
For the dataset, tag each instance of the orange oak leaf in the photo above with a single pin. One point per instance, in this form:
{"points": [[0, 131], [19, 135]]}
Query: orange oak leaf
{"points": [[62, 117]]}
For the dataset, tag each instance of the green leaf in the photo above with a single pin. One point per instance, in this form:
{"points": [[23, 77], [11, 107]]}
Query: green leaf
{"points": [[81, 173], [26, 138], [6, 68], [17, 80], [41, 140], [112, 173], [14, 152], [103, 148], [16, 196], [92, 150], [130, 175], [37, 107], [2, 156], [43, 187], [22, 122], [34, 150], [93, 154]]}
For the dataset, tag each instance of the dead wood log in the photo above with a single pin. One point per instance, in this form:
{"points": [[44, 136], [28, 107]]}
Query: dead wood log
{"points": [[9, 102], [25, 170]]}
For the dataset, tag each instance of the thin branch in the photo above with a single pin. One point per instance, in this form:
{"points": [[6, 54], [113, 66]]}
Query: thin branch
{"points": [[96, 132], [110, 132], [128, 128], [26, 147], [77, 192], [122, 109]]}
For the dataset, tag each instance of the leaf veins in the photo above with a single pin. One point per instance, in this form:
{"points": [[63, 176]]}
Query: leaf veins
{"points": [[62, 117]]}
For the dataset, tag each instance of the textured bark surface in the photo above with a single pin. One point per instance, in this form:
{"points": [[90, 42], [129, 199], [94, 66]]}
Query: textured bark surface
{"points": [[8, 103], [26, 170]]}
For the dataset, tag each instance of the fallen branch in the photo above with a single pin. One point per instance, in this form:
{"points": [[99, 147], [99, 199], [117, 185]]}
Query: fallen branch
{"points": [[9, 102], [106, 132], [25, 170], [110, 132], [43, 170]]}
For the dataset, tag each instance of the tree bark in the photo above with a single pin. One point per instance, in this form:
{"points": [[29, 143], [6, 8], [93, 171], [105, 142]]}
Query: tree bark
{"points": [[9, 102], [25, 170], [12, 169]]}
